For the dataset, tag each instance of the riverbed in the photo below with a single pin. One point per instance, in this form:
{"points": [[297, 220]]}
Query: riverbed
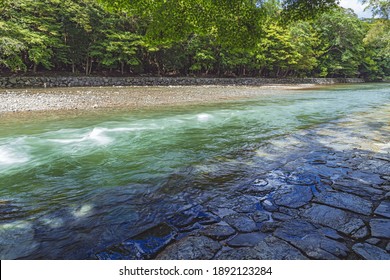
{"points": [[232, 178]]}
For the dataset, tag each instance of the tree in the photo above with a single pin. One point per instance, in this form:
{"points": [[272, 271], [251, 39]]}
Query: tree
{"points": [[380, 8]]}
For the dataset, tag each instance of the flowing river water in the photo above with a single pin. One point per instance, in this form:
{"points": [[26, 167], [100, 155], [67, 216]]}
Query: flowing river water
{"points": [[73, 183]]}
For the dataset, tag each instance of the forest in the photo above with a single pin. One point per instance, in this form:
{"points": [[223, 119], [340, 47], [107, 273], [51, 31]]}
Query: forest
{"points": [[269, 38]]}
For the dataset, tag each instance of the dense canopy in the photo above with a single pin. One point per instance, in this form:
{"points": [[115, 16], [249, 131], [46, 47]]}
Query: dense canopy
{"points": [[268, 38]]}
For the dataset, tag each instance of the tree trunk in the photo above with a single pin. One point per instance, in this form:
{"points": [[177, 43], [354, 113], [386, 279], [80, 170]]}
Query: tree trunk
{"points": [[122, 67], [87, 66], [35, 68]]}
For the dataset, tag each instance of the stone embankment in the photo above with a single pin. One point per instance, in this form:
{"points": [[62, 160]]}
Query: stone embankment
{"points": [[37, 82]]}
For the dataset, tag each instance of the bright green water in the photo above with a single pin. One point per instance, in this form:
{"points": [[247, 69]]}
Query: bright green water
{"points": [[99, 166]]}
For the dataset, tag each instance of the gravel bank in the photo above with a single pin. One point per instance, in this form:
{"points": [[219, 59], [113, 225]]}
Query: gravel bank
{"points": [[22, 100]]}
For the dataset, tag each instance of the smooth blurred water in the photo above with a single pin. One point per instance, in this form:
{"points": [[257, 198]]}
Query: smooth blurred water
{"points": [[74, 182]]}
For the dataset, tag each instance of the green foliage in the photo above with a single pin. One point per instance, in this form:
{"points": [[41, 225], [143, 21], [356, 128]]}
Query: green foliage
{"points": [[271, 38]]}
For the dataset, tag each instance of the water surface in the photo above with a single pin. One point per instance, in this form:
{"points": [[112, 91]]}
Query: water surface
{"points": [[76, 182]]}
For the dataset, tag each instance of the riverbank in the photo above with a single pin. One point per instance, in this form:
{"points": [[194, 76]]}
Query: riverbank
{"points": [[23, 100], [58, 81]]}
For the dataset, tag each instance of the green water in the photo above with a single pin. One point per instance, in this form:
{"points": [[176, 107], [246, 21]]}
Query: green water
{"points": [[93, 176]]}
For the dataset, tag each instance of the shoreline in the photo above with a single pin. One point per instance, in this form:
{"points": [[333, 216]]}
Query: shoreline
{"points": [[134, 97]]}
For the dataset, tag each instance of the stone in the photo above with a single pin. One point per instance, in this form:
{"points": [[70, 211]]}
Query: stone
{"points": [[370, 252], [246, 239], [380, 228], [260, 216], [345, 201], [310, 240], [218, 232], [334, 218], [281, 217], [357, 188], [268, 205], [271, 248], [191, 248], [246, 204], [293, 196], [301, 179], [191, 216], [383, 209], [241, 222], [151, 241], [373, 241], [388, 247]]}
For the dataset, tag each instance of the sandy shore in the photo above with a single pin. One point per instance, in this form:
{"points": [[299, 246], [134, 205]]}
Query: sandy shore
{"points": [[24, 100]]}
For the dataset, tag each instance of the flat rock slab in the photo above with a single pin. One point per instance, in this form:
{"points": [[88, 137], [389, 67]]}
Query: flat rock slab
{"points": [[336, 219], [241, 222], [380, 228], [293, 196], [191, 248], [345, 201], [271, 248], [246, 239], [311, 240], [370, 252], [218, 232], [383, 209]]}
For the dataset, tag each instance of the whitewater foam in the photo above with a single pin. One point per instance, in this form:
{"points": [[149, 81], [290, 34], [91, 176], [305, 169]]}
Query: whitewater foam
{"points": [[9, 156]]}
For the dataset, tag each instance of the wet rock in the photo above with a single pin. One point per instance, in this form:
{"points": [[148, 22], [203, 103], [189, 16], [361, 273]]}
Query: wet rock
{"points": [[246, 204], [301, 179], [120, 253], [345, 201], [269, 227], [192, 216], [260, 216], [373, 241], [370, 252], [281, 217], [151, 241], [310, 240], [331, 233], [191, 248], [388, 247], [383, 209], [380, 228], [241, 222], [270, 248], [357, 188], [268, 205], [218, 232], [246, 239], [367, 178], [16, 240], [293, 196], [335, 219]]}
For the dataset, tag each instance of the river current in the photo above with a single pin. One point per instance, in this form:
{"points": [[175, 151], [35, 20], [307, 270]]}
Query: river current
{"points": [[73, 183]]}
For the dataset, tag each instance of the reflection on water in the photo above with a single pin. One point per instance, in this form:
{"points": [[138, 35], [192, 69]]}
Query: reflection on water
{"points": [[72, 184]]}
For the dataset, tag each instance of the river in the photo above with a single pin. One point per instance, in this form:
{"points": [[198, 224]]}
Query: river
{"points": [[74, 183]]}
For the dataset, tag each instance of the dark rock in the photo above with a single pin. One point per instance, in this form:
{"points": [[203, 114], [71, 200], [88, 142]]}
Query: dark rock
{"points": [[370, 252], [331, 233], [151, 241], [281, 217], [120, 253], [269, 227], [218, 232], [268, 205], [383, 209], [367, 178], [357, 188], [373, 241], [346, 201], [270, 248], [302, 179], [241, 222], [388, 247], [293, 196], [260, 216], [191, 248], [310, 240], [335, 219], [246, 204], [191, 216], [246, 239], [380, 228]]}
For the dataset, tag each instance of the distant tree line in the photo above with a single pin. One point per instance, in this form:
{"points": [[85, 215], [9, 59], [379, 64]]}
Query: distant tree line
{"points": [[269, 38]]}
